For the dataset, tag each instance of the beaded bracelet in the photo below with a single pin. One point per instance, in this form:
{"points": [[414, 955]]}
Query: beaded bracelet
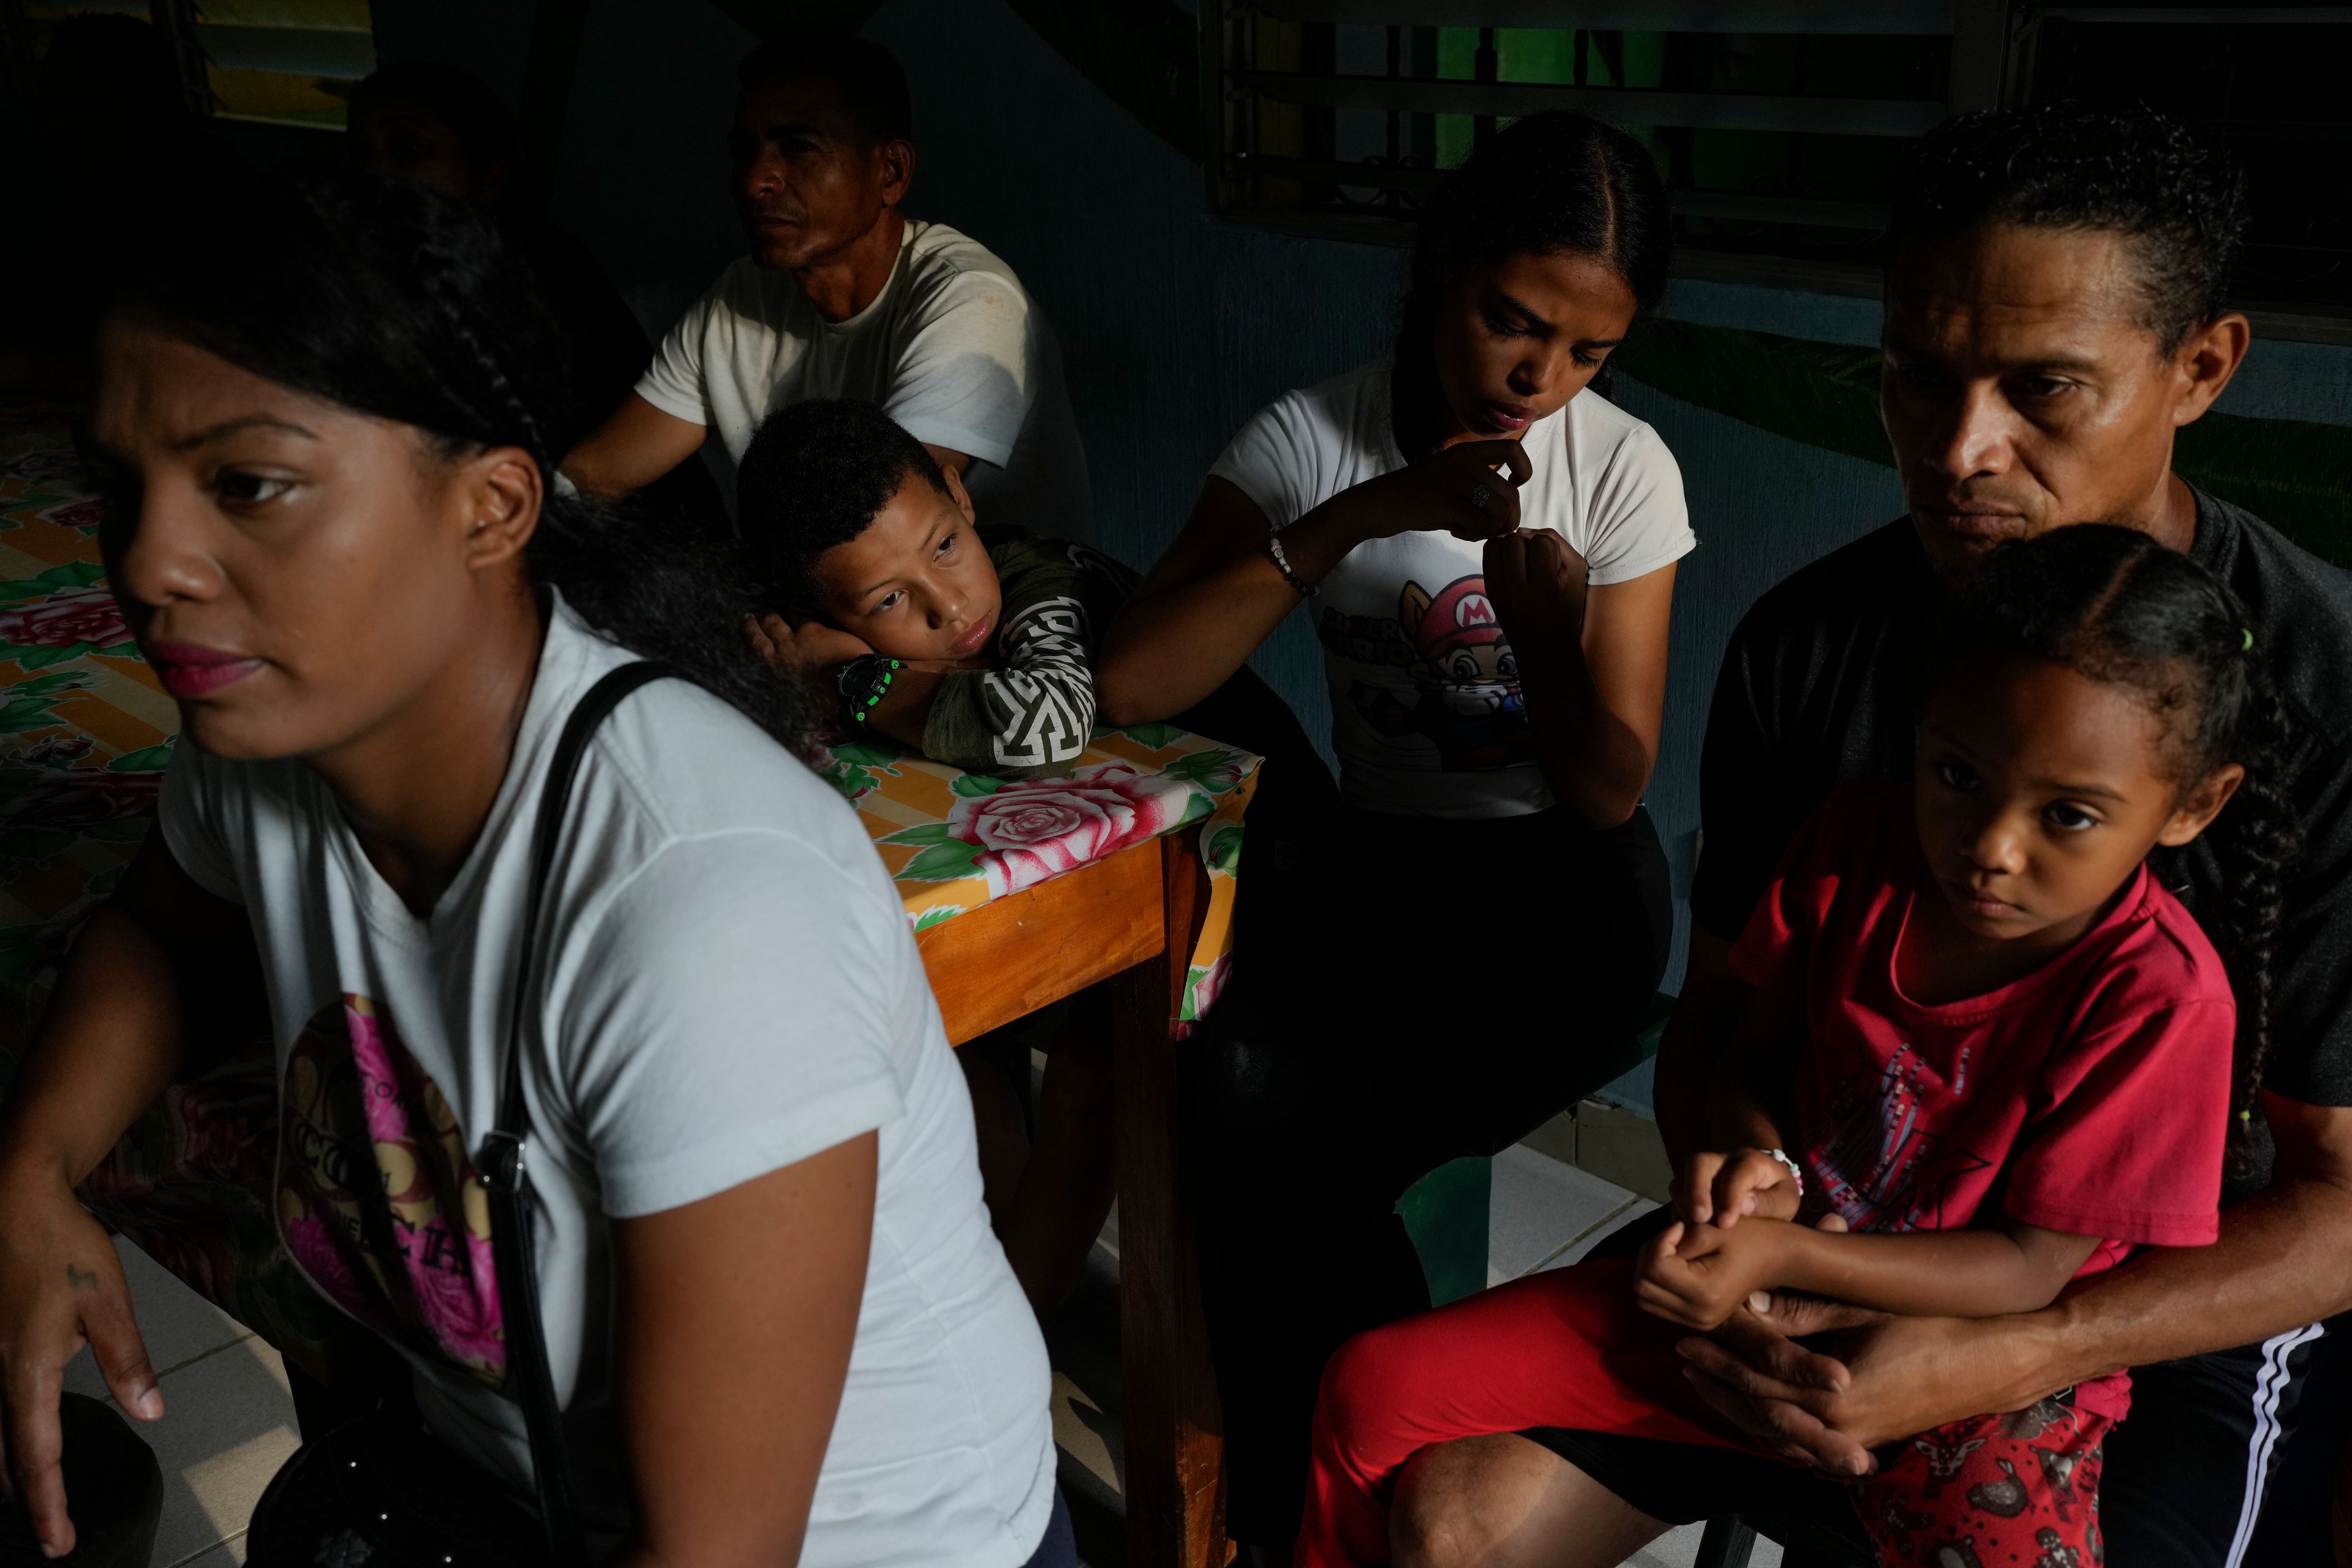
{"points": [[1282, 564], [1796, 1174]]}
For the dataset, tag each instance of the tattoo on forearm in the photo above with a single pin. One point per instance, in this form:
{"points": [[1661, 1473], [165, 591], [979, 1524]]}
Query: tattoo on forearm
{"points": [[81, 1278]]}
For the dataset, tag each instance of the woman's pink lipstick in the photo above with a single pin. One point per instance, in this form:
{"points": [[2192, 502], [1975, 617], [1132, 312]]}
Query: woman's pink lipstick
{"points": [[188, 670]]}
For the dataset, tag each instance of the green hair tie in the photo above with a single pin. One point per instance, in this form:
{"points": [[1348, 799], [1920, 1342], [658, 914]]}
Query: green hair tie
{"points": [[2247, 633]]}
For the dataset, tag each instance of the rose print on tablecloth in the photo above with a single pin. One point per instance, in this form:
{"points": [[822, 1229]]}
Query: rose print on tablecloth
{"points": [[378, 1200], [74, 619], [1019, 833]]}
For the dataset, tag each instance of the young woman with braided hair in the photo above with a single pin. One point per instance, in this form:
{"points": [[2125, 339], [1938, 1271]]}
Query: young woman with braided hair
{"points": [[1986, 1054], [773, 1309], [1487, 547]]}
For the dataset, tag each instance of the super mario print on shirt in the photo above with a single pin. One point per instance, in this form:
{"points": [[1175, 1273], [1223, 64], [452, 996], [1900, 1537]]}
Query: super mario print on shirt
{"points": [[1439, 671], [1427, 714]]}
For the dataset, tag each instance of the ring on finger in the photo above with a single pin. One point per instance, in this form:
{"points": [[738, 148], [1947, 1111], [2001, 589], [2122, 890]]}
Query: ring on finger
{"points": [[1481, 498]]}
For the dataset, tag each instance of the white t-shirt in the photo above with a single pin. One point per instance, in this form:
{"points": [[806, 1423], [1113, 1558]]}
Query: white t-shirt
{"points": [[735, 988], [952, 349], [1426, 711]]}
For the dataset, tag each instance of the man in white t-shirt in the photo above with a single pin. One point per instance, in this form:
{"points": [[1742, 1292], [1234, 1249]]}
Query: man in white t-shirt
{"points": [[843, 296]]}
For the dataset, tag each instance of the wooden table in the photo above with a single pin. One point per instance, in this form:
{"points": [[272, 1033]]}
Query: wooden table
{"points": [[1132, 919]]}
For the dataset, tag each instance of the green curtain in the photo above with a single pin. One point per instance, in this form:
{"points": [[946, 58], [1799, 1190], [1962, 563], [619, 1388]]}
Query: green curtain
{"points": [[2295, 473]]}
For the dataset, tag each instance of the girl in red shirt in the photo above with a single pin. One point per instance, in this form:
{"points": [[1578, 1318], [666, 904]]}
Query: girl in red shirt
{"points": [[1985, 1054]]}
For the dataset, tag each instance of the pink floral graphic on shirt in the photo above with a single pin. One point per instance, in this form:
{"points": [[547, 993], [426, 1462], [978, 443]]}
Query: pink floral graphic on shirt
{"points": [[379, 1203]]}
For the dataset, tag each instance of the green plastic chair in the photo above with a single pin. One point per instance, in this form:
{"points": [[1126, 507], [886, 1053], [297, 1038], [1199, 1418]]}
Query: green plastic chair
{"points": [[1446, 1211]]}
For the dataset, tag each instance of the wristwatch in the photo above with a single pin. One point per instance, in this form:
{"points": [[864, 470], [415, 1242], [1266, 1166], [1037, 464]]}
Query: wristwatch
{"points": [[864, 681]]}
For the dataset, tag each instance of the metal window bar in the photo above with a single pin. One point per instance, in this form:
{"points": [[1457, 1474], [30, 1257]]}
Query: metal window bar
{"points": [[1270, 121], [1929, 17], [1780, 148], [290, 62]]}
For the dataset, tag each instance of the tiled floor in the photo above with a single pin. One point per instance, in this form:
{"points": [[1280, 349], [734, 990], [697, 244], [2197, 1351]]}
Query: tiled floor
{"points": [[229, 1423]]}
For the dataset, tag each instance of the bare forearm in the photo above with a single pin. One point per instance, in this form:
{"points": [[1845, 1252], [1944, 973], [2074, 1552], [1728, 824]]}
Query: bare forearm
{"points": [[1696, 1034], [1748, 1080], [762, 1281], [2283, 1259], [905, 707], [1738, 1119], [1596, 765], [1172, 646], [110, 1042], [1951, 1273], [637, 445]]}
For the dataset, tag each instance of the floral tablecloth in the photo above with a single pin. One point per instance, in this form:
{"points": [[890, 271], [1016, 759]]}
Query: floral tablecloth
{"points": [[85, 734], [84, 730], [954, 840]]}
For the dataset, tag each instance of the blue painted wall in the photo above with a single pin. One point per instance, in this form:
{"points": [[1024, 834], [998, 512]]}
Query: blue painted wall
{"points": [[1176, 328]]}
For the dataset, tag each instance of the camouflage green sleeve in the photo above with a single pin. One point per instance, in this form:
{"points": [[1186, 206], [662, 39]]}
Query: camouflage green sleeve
{"points": [[1034, 714]]}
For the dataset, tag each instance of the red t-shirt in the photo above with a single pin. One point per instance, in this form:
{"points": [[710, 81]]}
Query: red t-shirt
{"points": [[2090, 1097]]}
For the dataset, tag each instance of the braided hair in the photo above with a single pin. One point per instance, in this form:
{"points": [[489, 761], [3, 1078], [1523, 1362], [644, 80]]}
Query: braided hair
{"points": [[1550, 185], [405, 305], [2113, 605]]}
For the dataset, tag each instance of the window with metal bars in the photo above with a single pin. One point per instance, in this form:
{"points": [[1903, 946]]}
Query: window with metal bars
{"points": [[280, 62], [1780, 126]]}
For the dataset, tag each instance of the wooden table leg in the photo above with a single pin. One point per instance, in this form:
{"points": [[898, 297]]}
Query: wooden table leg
{"points": [[1175, 1500]]}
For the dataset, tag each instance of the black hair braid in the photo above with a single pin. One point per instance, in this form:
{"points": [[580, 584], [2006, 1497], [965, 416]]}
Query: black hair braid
{"points": [[2115, 606], [438, 276], [407, 306], [2255, 841]]}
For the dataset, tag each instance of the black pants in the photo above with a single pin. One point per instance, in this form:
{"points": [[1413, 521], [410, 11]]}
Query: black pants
{"points": [[114, 1494], [1412, 992]]}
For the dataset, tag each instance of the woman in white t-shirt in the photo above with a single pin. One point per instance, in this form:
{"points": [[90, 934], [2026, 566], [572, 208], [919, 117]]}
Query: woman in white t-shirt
{"points": [[773, 1309], [1487, 550]]}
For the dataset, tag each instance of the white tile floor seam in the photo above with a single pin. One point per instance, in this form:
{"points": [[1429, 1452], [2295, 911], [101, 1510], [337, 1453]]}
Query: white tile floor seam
{"points": [[231, 1551]]}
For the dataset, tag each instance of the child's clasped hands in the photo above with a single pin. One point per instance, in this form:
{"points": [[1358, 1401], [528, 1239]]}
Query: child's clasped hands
{"points": [[1707, 1264]]}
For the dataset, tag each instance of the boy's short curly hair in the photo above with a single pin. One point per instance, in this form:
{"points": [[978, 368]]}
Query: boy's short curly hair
{"points": [[2127, 170], [817, 474]]}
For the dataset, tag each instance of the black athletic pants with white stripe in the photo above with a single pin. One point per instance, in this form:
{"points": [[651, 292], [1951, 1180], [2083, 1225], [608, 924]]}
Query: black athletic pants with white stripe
{"points": [[2227, 1460]]}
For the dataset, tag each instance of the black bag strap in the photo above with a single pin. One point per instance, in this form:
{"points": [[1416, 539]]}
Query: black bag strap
{"points": [[505, 1176]]}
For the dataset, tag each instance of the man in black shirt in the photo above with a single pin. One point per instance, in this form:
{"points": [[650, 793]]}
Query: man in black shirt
{"points": [[2053, 314]]}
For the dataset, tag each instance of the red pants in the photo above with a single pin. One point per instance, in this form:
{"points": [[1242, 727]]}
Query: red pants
{"points": [[1571, 1349]]}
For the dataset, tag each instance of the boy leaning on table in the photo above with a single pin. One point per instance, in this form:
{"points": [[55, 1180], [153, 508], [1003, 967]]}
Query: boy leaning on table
{"points": [[976, 647]]}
